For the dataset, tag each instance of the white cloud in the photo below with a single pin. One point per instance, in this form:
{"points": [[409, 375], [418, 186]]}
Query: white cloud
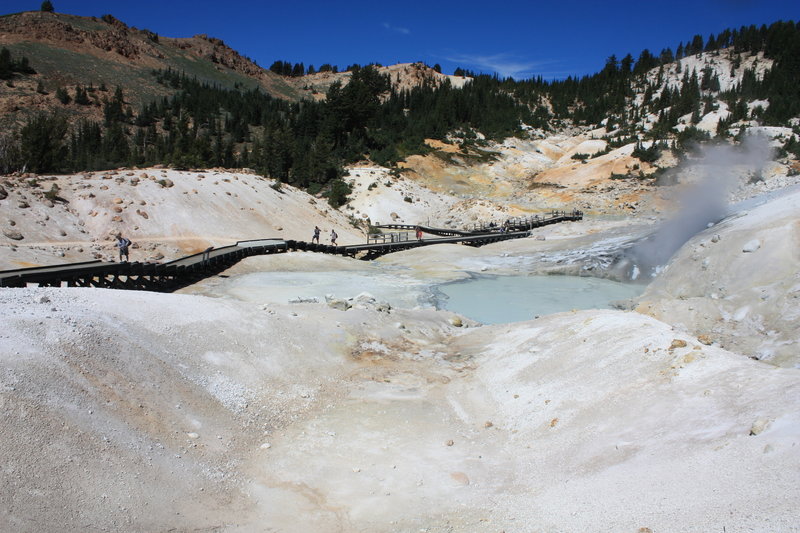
{"points": [[506, 65], [396, 29]]}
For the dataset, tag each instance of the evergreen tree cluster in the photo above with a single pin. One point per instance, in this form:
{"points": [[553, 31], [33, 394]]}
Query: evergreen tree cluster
{"points": [[9, 66], [303, 143], [608, 94], [284, 68]]}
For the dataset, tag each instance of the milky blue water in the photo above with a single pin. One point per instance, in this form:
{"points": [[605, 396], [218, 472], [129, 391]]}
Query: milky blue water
{"points": [[487, 299], [504, 299]]}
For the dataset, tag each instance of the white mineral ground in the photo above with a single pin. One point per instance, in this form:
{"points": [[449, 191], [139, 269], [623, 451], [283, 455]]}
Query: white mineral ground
{"points": [[211, 411]]}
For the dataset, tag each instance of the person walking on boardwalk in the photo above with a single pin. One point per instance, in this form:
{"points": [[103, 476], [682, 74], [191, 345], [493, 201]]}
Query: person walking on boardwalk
{"points": [[333, 237], [419, 233], [123, 243], [315, 238]]}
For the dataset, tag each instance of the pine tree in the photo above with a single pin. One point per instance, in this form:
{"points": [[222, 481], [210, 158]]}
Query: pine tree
{"points": [[47, 6], [81, 97], [63, 96], [113, 108], [645, 62], [697, 45], [42, 142], [626, 65], [6, 71], [711, 44]]}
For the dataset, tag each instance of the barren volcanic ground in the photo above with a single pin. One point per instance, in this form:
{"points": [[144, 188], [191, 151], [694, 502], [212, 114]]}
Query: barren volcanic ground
{"points": [[130, 411], [210, 410]]}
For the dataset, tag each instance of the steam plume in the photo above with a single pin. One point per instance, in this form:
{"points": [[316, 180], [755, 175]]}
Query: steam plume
{"points": [[705, 201]]}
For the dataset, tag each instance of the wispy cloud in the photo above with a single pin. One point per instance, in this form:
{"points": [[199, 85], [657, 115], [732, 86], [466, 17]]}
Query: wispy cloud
{"points": [[396, 29], [506, 65]]}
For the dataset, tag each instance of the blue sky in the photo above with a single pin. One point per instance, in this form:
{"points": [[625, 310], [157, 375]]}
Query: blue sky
{"points": [[515, 38]]}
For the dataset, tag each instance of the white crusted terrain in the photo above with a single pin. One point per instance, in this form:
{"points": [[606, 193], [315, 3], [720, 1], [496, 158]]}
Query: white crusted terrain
{"points": [[738, 283], [166, 213], [215, 410], [140, 411]]}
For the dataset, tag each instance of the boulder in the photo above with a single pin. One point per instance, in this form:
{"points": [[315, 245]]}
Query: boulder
{"points": [[705, 339], [337, 303], [759, 426], [751, 246]]}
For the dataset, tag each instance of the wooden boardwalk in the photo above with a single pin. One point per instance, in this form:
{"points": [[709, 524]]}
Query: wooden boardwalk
{"points": [[170, 276]]}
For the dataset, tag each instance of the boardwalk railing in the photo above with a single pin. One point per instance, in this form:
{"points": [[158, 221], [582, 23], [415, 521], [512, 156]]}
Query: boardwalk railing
{"points": [[170, 276], [395, 236]]}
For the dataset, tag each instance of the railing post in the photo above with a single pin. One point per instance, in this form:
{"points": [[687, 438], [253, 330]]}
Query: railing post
{"points": [[207, 255]]}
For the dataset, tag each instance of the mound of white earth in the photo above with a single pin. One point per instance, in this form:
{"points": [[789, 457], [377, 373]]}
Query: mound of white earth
{"points": [[166, 213], [150, 412], [738, 283]]}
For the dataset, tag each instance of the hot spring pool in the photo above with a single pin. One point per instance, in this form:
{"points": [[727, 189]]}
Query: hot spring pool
{"points": [[504, 299], [490, 300]]}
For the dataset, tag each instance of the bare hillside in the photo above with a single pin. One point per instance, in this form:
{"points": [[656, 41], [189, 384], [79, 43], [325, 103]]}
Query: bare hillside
{"points": [[67, 50], [403, 76]]}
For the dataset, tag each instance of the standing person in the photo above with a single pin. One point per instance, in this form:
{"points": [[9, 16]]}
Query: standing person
{"points": [[333, 237], [316, 235], [419, 233], [123, 243]]}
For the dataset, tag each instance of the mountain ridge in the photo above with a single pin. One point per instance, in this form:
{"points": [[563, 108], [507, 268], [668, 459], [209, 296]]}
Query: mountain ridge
{"points": [[632, 120], [112, 43]]}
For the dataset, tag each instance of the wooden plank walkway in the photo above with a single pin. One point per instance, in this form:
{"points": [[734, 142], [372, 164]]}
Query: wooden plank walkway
{"points": [[170, 276]]}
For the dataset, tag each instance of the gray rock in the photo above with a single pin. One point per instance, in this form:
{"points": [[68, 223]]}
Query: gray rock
{"points": [[759, 426], [299, 300], [14, 235], [338, 303], [751, 246]]}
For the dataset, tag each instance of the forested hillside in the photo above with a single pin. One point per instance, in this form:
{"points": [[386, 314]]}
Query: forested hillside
{"points": [[742, 77]]}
